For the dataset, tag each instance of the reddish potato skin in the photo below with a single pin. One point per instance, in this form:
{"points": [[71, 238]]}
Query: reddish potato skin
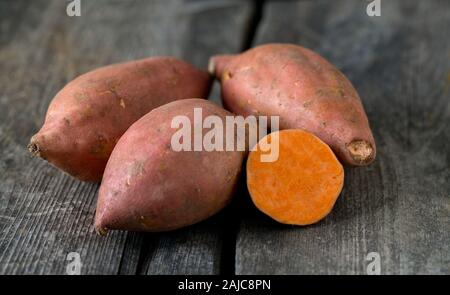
{"points": [[88, 116], [149, 187], [304, 89]]}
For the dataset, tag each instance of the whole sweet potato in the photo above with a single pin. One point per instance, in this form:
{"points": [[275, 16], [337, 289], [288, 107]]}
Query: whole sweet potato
{"points": [[87, 117], [149, 186], [304, 89]]}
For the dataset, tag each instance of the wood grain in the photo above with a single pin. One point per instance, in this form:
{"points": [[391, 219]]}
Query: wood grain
{"points": [[45, 214], [399, 206]]}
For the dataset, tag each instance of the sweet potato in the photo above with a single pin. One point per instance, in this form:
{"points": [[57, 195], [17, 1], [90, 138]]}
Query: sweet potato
{"points": [[88, 116], [302, 186], [148, 186], [304, 89]]}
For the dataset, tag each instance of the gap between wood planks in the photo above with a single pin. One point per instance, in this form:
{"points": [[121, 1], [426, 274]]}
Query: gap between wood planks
{"points": [[228, 254]]}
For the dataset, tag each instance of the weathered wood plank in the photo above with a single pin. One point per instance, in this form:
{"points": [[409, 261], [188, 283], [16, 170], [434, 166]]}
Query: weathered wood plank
{"points": [[399, 206], [45, 214], [194, 250]]}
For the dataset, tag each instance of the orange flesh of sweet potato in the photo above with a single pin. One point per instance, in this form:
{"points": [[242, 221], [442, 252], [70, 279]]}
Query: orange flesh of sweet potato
{"points": [[301, 187], [304, 89]]}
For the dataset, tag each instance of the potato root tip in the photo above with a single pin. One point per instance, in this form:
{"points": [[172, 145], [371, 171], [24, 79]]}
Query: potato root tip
{"points": [[361, 151], [211, 67], [101, 231], [218, 63], [34, 149]]}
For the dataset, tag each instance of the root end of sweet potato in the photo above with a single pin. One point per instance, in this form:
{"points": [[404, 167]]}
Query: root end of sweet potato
{"points": [[361, 151], [34, 149], [218, 63], [226, 76], [211, 67], [101, 231]]}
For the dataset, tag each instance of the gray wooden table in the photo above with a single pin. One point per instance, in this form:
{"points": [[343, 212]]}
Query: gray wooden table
{"points": [[399, 207]]}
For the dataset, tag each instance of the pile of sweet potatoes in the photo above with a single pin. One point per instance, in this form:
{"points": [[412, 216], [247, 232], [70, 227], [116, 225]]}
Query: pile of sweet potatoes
{"points": [[115, 124]]}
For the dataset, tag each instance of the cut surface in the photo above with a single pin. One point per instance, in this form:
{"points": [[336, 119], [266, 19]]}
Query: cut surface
{"points": [[300, 187]]}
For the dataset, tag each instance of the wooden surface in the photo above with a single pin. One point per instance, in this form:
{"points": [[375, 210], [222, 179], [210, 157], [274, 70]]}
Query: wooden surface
{"points": [[399, 207]]}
